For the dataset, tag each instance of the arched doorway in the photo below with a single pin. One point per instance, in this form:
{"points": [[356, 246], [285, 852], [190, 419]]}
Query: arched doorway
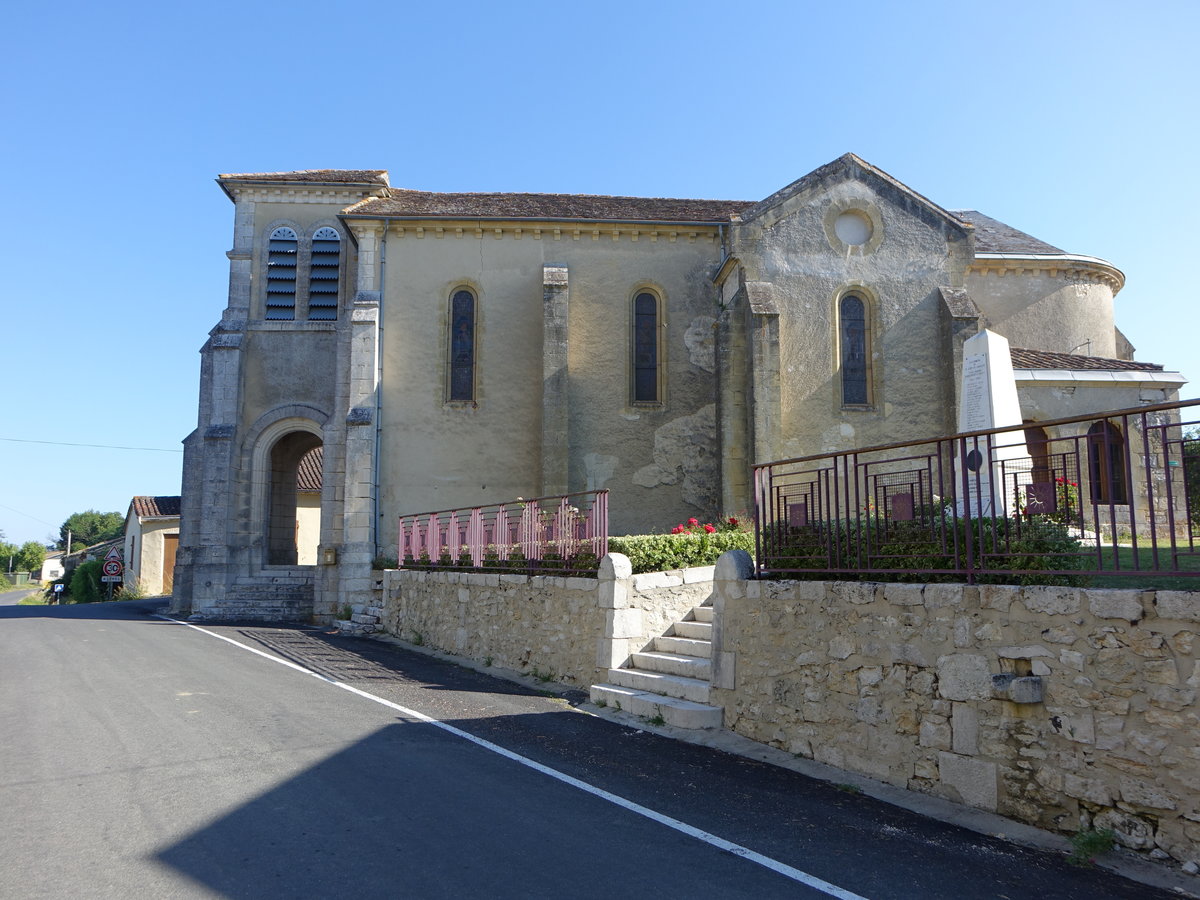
{"points": [[294, 517]]}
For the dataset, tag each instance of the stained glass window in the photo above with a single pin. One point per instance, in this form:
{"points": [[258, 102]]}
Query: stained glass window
{"points": [[854, 351], [462, 346], [645, 349]]}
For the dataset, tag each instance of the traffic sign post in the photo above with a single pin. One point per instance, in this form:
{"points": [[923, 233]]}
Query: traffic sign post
{"points": [[113, 570]]}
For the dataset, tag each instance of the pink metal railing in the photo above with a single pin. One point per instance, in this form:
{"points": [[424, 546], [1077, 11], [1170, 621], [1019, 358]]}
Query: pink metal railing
{"points": [[567, 534]]}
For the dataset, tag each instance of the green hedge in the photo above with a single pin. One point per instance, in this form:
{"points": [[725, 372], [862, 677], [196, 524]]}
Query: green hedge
{"points": [[658, 552], [916, 549]]}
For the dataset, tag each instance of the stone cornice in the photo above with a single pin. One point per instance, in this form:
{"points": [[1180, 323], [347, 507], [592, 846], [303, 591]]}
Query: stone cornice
{"points": [[439, 229], [329, 195], [1069, 266]]}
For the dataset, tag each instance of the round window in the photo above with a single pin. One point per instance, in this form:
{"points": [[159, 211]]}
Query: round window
{"points": [[853, 228]]}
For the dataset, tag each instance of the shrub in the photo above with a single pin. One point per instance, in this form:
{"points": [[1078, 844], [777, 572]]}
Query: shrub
{"points": [[85, 586], [915, 551], [657, 552], [5, 584]]}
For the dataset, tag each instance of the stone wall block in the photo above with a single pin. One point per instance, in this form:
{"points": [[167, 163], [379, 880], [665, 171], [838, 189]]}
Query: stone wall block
{"points": [[974, 781], [964, 676], [904, 594], [1051, 600], [1183, 606], [964, 723], [1116, 604]]}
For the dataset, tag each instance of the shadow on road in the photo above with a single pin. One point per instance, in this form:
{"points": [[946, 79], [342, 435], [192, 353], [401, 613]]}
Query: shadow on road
{"points": [[118, 609]]}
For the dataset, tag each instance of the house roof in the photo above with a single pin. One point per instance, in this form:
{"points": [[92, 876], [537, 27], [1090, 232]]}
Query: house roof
{"points": [[308, 474], [992, 236], [155, 507], [1042, 359], [401, 203], [315, 176]]}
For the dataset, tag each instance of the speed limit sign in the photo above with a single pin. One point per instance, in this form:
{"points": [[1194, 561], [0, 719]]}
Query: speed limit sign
{"points": [[113, 567]]}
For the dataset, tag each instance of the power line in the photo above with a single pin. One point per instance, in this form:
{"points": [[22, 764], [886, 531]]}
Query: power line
{"points": [[28, 516], [98, 446]]}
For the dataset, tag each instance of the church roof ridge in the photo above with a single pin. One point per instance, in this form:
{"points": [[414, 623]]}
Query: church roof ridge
{"points": [[407, 202], [314, 176]]}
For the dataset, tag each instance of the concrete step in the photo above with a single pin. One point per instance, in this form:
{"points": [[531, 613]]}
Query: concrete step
{"points": [[678, 686], [673, 664], [698, 630], [684, 646], [674, 711], [702, 614]]}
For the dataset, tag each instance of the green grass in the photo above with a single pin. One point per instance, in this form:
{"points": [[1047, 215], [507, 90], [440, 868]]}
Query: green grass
{"points": [[34, 600], [1143, 577]]}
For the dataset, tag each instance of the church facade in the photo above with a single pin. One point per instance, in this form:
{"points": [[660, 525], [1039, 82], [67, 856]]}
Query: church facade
{"points": [[396, 351]]}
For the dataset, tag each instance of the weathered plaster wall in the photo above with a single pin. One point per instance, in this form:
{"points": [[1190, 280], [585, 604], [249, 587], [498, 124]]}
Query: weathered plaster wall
{"points": [[657, 461], [1037, 309], [896, 682], [569, 629], [898, 272]]}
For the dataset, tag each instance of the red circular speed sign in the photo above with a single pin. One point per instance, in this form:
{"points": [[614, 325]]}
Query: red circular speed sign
{"points": [[112, 567]]}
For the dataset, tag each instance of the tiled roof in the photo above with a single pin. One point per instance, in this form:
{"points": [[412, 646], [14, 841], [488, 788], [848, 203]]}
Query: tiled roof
{"points": [[155, 507], [996, 237], [315, 176], [1042, 359], [585, 207], [308, 475]]}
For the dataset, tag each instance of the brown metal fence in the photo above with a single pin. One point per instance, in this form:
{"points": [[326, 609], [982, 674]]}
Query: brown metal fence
{"points": [[1060, 501]]}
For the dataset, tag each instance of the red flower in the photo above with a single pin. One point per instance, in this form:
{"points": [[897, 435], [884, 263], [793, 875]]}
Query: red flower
{"points": [[709, 528], [733, 521], [693, 522], [678, 529]]}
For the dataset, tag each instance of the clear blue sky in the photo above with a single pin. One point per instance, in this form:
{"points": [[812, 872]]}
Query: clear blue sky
{"points": [[1073, 121]]}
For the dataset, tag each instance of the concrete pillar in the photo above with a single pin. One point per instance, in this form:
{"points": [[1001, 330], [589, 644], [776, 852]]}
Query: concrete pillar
{"points": [[614, 579], [358, 507], [555, 437], [734, 568]]}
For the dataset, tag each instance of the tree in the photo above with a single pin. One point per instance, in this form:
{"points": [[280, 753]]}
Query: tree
{"points": [[1191, 472], [90, 527], [8, 556], [30, 557]]}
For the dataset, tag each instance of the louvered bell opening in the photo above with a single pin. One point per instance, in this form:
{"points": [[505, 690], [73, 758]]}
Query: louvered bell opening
{"points": [[278, 246], [322, 313], [279, 313]]}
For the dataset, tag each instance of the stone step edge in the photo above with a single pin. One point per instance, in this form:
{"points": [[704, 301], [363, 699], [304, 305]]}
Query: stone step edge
{"points": [[673, 710]]}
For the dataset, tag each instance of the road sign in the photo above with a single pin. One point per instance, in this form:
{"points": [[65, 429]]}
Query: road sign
{"points": [[112, 567], [111, 579], [113, 553]]}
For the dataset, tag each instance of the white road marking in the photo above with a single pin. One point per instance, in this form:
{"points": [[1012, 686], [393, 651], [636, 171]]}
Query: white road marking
{"points": [[713, 840]]}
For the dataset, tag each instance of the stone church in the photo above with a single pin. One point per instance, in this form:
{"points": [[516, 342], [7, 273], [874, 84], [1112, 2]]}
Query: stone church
{"points": [[401, 351]]}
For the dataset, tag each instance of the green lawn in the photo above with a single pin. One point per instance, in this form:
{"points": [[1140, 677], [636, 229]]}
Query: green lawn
{"points": [[1126, 558]]}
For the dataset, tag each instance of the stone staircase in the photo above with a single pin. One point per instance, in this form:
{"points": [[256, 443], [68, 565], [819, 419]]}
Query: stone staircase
{"points": [[672, 680], [363, 619], [284, 596]]}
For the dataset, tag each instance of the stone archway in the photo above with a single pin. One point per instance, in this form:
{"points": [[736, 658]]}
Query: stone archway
{"points": [[293, 525]]}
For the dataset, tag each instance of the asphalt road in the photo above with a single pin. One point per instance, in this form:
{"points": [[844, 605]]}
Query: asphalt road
{"points": [[13, 597], [148, 758]]}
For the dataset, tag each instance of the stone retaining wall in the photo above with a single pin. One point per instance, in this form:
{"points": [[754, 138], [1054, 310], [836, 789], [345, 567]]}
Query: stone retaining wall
{"points": [[1062, 707], [570, 630]]}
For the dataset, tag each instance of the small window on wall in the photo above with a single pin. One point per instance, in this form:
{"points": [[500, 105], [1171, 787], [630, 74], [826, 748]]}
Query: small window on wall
{"points": [[646, 349], [281, 275], [324, 269], [462, 346], [855, 348], [1106, 464]]}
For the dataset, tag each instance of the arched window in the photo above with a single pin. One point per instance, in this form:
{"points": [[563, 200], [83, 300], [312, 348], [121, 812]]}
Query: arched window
{"points": [[1106, 463], [281, 275], [462, 346], [855, 349], [323, 270], [646, 382]]}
